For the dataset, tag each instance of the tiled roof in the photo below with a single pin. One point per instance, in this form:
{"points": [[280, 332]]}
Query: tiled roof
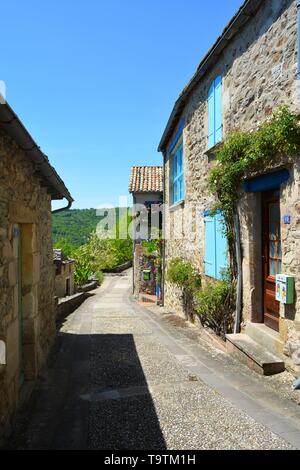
{"points": [[146, 179]]}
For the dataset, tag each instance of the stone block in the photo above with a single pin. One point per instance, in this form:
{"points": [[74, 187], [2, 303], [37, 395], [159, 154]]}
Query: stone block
{"points": [[253, 355]]}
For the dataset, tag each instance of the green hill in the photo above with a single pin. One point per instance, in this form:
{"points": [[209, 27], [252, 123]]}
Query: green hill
{"points": [[74, 226]]}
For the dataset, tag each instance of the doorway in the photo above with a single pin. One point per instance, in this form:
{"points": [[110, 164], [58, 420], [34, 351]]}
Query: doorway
{"points": [[18, 256], [271, 256]]}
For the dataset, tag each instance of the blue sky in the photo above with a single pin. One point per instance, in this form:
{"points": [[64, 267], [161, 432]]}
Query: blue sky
{"points": [[94, 81]]}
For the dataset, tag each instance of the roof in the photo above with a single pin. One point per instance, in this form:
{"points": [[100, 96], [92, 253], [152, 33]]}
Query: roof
{"points": [[60, 258], [146, 179], [244, 14], [12, 126]]}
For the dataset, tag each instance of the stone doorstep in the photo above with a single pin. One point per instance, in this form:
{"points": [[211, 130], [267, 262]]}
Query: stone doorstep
{"points": [[256, 357], [265, 337]]}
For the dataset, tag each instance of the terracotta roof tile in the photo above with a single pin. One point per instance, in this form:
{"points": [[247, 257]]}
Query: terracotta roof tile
{"points": [[146, 179]]}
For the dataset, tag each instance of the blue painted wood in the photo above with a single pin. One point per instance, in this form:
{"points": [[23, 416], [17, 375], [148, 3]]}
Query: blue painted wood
{"points": [[211, 115], [218, 110], [221, 247], [177, 135], [178, 175], [210, 246], [266, 182], [216, 246]]}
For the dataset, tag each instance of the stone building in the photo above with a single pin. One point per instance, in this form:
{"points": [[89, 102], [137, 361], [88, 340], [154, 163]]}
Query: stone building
{"points": [[64, 274], [250, 71], [146, 187], [28, 184]]}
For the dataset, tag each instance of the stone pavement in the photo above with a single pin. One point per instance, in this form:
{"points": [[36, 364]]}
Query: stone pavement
{"points": [[125, 377]]}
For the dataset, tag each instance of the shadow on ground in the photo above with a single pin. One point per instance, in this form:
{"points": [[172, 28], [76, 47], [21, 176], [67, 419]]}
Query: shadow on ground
{"points": [[93, 395]]}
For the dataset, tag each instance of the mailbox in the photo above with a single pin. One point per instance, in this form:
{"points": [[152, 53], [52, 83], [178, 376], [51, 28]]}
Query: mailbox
{"points": [[285, 289]]}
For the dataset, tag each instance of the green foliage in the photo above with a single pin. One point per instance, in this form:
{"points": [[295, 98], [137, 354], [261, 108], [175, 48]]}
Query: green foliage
{"points": [[151, 246], [247, 152], [66, 247], [99, 276], [98, 252], [83, 271], [74, 226], [104, 253], [213, 304], [183, 274]]}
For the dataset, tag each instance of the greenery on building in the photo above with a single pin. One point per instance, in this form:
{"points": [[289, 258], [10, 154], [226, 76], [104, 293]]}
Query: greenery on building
{"points": [[243, 155], [211, 302], [214, 304], [246, 153]]}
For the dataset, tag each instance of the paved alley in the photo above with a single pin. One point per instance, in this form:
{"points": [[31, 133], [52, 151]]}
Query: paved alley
{"points": [[121, 378]]}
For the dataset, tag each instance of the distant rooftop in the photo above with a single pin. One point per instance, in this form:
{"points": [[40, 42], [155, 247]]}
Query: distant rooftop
{"points": [[146, 179]]}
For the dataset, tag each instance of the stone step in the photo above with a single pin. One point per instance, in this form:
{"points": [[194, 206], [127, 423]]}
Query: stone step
{"points": [[266, 337], [253, 355]]}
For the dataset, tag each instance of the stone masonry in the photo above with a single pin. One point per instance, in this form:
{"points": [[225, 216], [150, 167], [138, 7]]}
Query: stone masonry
{"points": [[259, 72], [27, 309]]}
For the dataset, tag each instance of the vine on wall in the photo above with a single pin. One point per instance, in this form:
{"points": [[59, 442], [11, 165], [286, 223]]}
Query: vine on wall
{"points": [[245, 153]]}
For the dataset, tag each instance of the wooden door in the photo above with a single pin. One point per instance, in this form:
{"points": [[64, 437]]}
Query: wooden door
{"points": [[271, 246]]}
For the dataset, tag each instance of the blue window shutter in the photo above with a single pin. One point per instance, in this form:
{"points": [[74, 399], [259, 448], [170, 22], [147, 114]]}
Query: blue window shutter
{"points": [[210, 246], [211, 116], [218, 110], [221, 246]]}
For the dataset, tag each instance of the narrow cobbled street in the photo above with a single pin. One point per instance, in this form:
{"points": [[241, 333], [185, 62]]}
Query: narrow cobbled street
{"points": [[122, 377]]}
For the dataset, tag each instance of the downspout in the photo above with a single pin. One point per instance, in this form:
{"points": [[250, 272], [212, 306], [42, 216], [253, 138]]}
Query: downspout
{"points": [[238, 252], [296, 384], [63, 208], [298, 49], [133, 246], [164, 235]]}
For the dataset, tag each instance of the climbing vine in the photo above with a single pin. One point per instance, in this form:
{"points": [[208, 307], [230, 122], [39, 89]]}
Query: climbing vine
{"points": [[245, 153]]}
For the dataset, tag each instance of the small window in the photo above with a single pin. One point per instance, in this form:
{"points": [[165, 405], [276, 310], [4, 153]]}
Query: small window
{"points": [[215, 123], [216, 247], [178, 174]]}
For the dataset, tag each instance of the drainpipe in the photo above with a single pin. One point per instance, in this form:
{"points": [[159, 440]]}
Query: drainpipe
{"points": [[62, 208], [133, 246], [164, 235], [238, 251], [298, 48], [296, 384]]}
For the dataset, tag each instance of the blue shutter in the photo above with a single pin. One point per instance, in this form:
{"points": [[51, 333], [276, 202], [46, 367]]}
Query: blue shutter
{"points": [[180, 172], [221, 246], [218, 110], [210, 246], [175, 186], [211, 116]]}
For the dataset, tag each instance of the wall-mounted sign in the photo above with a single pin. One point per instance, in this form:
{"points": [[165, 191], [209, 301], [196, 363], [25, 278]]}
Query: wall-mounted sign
{"points": [[285, 289], [287, 219]]}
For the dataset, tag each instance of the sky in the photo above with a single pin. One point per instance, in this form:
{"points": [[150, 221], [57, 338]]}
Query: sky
{"points": [[95, 81]]}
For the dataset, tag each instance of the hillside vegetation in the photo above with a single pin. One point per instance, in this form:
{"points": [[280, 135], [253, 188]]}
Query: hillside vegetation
{"points": [[80, 236]]}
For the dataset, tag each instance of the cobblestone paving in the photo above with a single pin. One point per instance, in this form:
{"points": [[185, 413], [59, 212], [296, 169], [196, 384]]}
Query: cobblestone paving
{"points": [[113, 383]]}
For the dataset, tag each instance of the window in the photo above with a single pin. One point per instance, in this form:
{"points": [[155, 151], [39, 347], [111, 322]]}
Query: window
{"points": [[216, 248], [215, 128], [178, 174]]}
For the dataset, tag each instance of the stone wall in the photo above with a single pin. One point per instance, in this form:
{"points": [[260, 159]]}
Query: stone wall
{"points": [[259, 70], [26, 276], [143, 261], [66, 271]]}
